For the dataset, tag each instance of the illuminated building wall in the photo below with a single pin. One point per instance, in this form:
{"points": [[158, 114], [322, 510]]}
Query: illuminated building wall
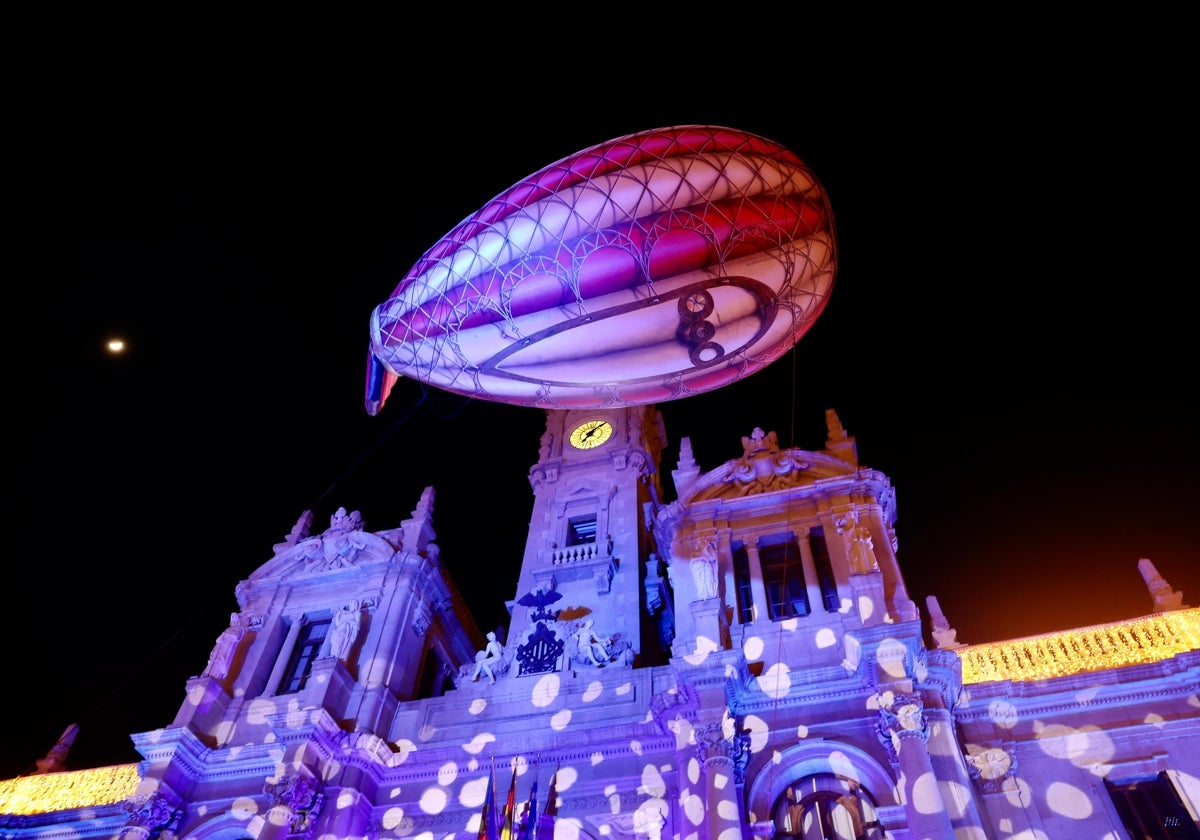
{"points": [[758, 669]]}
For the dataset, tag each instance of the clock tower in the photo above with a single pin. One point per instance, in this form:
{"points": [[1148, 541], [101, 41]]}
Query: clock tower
{"points": [[589, 555]]}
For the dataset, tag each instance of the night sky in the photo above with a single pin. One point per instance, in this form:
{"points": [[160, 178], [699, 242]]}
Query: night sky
{"points": [[1009, 339]]}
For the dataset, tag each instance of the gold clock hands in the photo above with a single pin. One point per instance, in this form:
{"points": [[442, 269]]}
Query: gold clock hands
{"points": [[590, 434]]}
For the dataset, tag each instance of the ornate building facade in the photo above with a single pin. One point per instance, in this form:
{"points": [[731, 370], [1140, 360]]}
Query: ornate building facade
{"points": [[742, 661]]}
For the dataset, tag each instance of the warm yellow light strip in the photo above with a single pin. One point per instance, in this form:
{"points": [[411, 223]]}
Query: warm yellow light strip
{"points": [[1136, 642], [49, 792]]}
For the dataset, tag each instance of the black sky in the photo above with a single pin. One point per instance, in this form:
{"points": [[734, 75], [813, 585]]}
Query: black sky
{"points": [[1009, 339]]}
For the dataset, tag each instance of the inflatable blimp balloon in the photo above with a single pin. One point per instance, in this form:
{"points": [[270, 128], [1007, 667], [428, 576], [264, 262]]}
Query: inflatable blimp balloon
{"points": [[645, 269]]}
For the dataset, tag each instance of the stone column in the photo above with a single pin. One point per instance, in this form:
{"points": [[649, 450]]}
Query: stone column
{"points": [[903, 732], [757, 591], [718, 757], [812, 583], [285, 654]]}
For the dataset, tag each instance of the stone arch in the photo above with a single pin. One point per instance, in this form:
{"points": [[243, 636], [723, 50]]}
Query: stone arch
{"points": [[811, 758]]}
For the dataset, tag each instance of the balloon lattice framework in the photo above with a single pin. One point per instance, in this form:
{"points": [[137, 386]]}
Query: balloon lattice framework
{"points": [[648, 268]]}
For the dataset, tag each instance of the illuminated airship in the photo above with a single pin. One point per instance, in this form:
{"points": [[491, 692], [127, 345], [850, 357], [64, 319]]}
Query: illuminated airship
{"points": [[648, 268]]}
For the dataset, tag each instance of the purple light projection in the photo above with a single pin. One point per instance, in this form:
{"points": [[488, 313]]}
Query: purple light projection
{"points": [[648, 268]]}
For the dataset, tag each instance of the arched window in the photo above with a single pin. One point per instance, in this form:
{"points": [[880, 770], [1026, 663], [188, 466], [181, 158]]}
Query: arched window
{"points": [[826, 807]]}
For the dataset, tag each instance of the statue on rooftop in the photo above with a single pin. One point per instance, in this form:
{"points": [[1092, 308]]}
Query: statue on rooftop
{"points": [[299, 532], [1165, 598], [944, 636], [56, 759]]}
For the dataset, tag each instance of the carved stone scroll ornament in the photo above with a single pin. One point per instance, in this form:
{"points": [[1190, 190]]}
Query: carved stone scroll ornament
{"points": [[901, 717], [762, 460], [713, 744], [298, 794], [155, 812], [991, 766]]}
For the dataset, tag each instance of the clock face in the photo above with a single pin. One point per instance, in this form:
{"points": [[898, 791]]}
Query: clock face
{"points": [[591, 433]]}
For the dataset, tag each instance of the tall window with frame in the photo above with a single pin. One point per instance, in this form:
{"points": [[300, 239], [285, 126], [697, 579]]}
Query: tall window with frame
{"points": [[307, 649], [783, 578]]}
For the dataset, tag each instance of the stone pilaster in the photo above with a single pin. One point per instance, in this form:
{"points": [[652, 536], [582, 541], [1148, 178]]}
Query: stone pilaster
{"points": [[720, 756], [903, 731]]}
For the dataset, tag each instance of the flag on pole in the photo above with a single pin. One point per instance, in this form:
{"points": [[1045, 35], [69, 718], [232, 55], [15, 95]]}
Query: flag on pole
{"points": [[489, 807], [506, 831], [488, 825], [529, 822], [552, 799]]}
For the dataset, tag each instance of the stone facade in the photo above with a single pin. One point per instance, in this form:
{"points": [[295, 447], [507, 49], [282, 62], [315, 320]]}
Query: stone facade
{"points": [[742, 661]]}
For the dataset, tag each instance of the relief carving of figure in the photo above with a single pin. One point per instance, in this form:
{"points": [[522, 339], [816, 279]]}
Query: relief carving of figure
{"points": [[592, 646], [860, 545], [704, 569], [346, 623]]}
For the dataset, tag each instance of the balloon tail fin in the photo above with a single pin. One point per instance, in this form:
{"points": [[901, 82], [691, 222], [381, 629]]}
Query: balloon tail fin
{"points": [[379, 384]]}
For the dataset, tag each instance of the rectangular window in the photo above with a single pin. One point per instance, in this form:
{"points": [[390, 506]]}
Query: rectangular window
{"points": [[783, 578], [308, 648], [581, 530], [1151, 809]]}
